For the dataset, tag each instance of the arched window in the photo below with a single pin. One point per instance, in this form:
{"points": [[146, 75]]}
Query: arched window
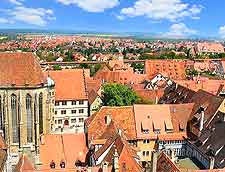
{"points": [[14, 118], [41, 113], [1, 116], [29, 119]]}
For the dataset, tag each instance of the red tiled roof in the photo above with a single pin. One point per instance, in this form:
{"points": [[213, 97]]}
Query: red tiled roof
{"points": [[175, 69], [123, 118], [162, 117], [93, 89], [122, 76], [150, 95], [210, 47], [127, 154], [20, 69], [210, 102], [24, 165], [69, 84], [164, 164], [211, 86], [66, 147]]}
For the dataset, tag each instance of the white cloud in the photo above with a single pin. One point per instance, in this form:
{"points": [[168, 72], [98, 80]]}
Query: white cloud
{"points": [[16, 2], [222, 31], [162, 9], [92, 5], [120, 17], [5, 21], [179, 30], [33, 16]]}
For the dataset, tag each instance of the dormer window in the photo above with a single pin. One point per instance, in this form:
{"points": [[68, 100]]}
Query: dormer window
{"points": [[144, 127], [62, 164], [145, 131], [157, 131], [52, 164]]}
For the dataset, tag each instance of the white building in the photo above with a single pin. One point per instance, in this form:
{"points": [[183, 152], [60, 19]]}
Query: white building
{"points": [[71, 101]]}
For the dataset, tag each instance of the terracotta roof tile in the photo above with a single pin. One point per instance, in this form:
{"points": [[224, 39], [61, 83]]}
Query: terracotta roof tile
{"points": [[69, 84], [20, 69], [164, 118], [66, 147], [175, 69], [24, 165], [127, 154], [123, 117]]}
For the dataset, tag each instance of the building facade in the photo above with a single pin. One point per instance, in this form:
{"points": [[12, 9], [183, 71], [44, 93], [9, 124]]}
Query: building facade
{"points": [[71, 114], [26, 105], [71, 100]]}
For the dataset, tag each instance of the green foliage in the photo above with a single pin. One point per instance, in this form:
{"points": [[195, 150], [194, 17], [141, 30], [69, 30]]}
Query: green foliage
{"points": [[69, 56], [94, 69], [139, 66], [191, 72], [118, 95], [83, 65], [217, 56], [144, 101], [166, 55], [57, 67]]}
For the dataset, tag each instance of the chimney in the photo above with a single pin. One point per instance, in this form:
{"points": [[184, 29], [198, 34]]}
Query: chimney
{"points": [[108, 119], [42, 140], [176, 86], [211, 163], [173, 155], [116, 161], [105, 167], [119, 132], [154, 161], [202, 113]]}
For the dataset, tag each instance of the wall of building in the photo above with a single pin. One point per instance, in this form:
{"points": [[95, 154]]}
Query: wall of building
{"points": [[145, 148], [23, 145], [193, 151], [71, 115]]}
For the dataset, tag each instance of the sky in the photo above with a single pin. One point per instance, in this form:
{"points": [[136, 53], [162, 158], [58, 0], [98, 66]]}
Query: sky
{"points": [[166, 18]]}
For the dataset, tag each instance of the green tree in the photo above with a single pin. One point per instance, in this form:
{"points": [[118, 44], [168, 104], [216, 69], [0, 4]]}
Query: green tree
{"points": [[57, 67], [118, 95]]}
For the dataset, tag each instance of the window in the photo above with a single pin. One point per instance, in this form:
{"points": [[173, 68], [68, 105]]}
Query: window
{"points": [[55, 121], [81, 102], [64, 102], [81, 110], [14, 118], [29, 119], [73, 120], [143, 153], [147, 153], [146, 141], [145, 131], [73, 102], [41, 113], [56, 103], [81, 119], [63, 112], [73, 111], [55, 112], [157, 131], [59, 121]]}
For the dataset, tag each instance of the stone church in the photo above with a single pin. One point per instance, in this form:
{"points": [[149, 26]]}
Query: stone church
{"points": [[26, 104]]}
